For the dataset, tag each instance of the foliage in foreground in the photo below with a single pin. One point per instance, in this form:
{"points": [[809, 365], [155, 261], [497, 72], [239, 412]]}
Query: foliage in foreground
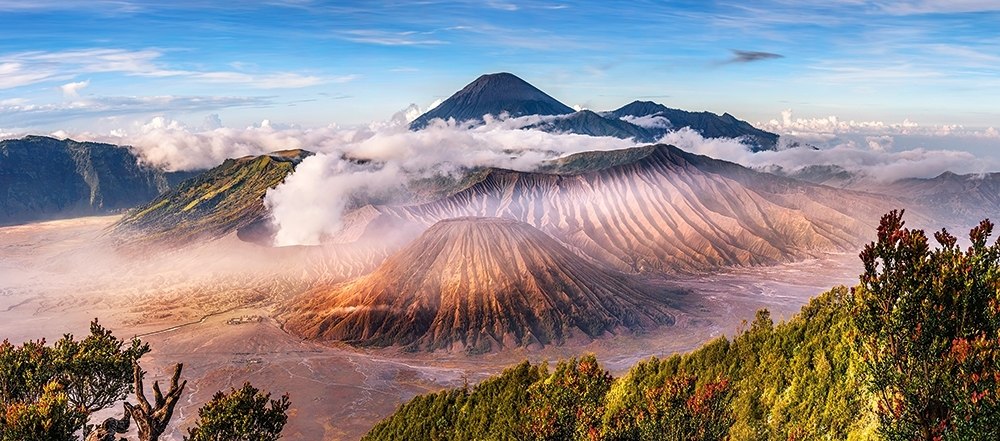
{"points": [[47, 393], [929, 322], [244, 414]]}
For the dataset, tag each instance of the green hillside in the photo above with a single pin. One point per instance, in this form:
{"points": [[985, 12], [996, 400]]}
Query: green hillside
{"points": [[222, 200]]}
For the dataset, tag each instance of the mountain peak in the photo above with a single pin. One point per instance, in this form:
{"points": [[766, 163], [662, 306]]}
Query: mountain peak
{"points": [[493, 94]]}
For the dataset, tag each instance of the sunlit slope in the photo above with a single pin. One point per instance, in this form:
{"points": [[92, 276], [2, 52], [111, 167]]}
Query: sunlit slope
{"points": [[662, 209], [477, 284], [224, 199]]}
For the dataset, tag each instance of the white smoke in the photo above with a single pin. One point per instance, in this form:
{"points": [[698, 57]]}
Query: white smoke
{"points": [[310, 203]]}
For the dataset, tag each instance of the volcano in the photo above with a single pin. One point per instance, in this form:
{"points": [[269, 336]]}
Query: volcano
{"points": [[661, 209], [477, 285], [493, 94]]}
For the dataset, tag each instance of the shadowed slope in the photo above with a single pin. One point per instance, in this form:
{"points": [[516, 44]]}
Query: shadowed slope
{"points": [[586, 122], [46, 178], [476, 284]]}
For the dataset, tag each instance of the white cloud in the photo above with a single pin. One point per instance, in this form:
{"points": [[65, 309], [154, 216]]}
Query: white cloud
{"points": [[15, 74], [387, 38], [827, 128], [880, 143], [212, 122], [9, 102], [311, 203], [655, 121], [909, 7], [269, 81], [72, 90], [502, 5], [877, 164]]}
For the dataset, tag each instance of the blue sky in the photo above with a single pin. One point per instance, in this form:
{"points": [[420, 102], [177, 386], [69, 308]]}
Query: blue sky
{"points": [[98, 64]]}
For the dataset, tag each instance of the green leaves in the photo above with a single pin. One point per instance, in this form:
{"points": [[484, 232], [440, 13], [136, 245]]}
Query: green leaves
{"points": [[244, 414], [96, 371], [50, 417], [568, 404], [793, 380], [53, 389], [929, 332]]}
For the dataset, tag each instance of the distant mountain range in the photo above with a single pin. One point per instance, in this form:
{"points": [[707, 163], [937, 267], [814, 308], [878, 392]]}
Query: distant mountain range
{"points": [[46, 178], [645, 121], [952, 199]]}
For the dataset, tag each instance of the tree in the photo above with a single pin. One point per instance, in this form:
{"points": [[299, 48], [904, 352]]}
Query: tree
{"points": [[65, 382], [675, 410], [97, 371], [569, 403], [152, 419], [48, 392], [50, 417], [928, 325], [244, 414]]}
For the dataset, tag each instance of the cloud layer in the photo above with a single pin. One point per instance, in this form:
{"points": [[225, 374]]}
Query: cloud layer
{"points": [[378, 159]]}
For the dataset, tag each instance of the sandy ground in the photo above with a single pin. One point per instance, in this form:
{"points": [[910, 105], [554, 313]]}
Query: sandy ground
{"points": [[55, 278]]}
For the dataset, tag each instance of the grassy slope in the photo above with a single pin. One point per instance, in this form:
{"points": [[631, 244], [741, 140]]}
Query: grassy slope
{"points": [[213, 204]]}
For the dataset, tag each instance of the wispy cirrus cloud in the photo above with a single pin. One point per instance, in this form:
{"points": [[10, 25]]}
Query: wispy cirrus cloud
{"points": [[390, 38], [502, 5], [284, 80], [937, 6], [20, 112], [14, 74], [59, 5], [27, 68]]}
